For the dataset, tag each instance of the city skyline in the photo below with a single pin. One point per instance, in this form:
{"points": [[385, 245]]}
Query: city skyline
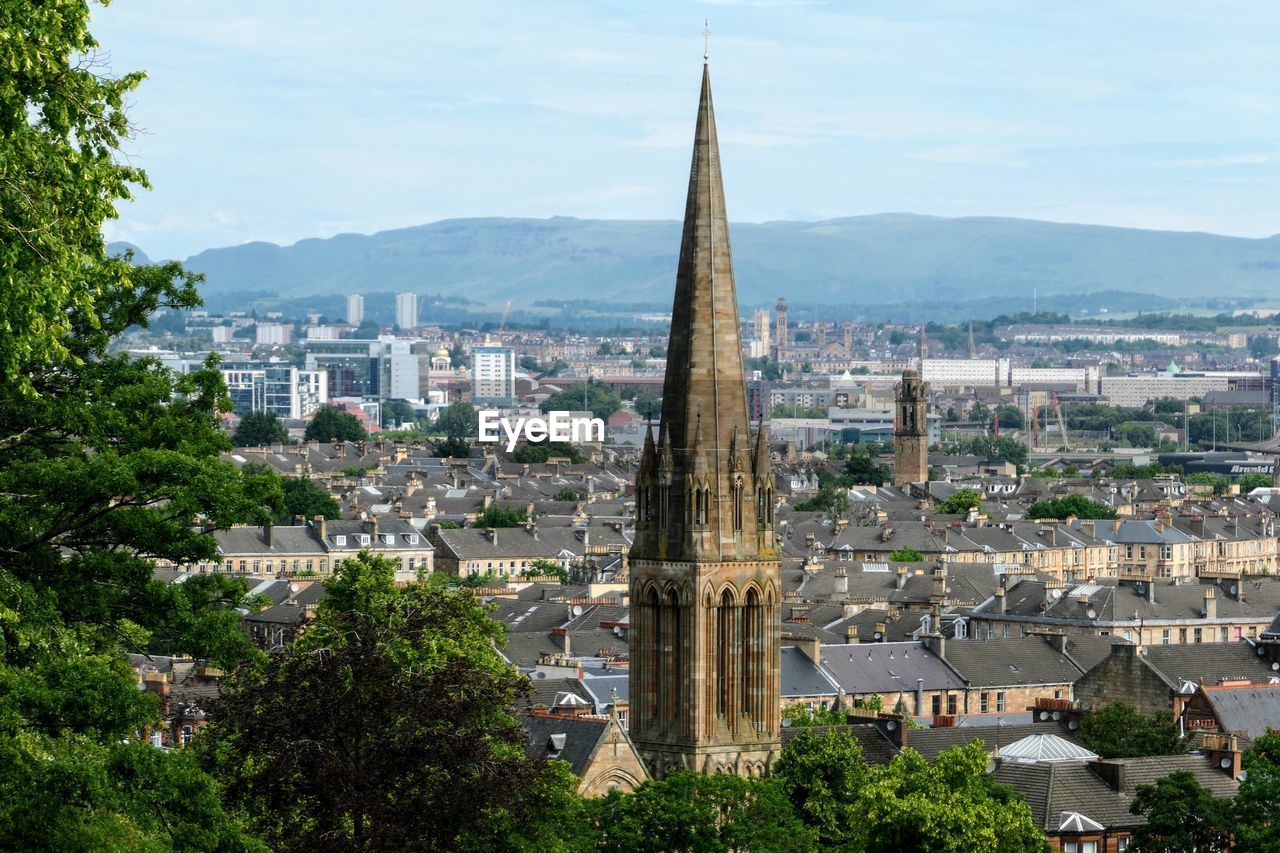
{"points": [[258, 124]]}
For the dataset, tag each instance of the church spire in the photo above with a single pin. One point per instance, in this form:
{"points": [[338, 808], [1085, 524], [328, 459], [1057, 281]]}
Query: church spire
{"points": [[704, 358]]}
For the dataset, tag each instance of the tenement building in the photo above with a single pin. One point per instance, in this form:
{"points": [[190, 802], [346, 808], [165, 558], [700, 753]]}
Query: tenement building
{"points": [[705, 587]]}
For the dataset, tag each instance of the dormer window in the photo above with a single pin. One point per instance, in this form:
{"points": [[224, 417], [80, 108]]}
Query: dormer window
{"points": [[413, 538], [388, 539], [364, 538], [340, 541]]}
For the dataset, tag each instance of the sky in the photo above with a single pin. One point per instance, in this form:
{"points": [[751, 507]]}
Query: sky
{"points": [[285, 120]]}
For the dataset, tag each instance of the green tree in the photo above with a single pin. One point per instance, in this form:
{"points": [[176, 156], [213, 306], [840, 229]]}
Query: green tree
{"points": [[961, 501], [107, 460], [1135, 434], [386, 726], [541, 451], [1077, 505], [1219, 483], [595, 397], [649, 405], [550, 567], [823, 774], [567, 493], [62, 172], [862, 470], [1263, 346], [801, 715], [397, 412], [459, 421], [692, 811], [906, 555], [834, 501], [1117, 730], [1249, 482], [1010, 417], [260, 429], [497, 515], [329, 424], [949, 804], [305, 497], [1182, 817], [1257, 803]]}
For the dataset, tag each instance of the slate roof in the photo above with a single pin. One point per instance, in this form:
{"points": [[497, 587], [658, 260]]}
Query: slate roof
{"points": [[1051, 789], [1013, 662], [1249, 710], [570, 739], [887, 668], [1206, 662], [930, 742], [800, 677]]}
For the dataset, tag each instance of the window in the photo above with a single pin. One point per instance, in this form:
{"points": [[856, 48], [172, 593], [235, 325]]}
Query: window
{"points": [[1128, 552], [1164, 637], [1196, 635], [1122, 845], [186, 735], [257, 566], [1000, 702], [1182, 635], [984, 703], [937, 704], [952, 707], [340, 541], [1225, 635], [1166, 552], [1142, 552]]}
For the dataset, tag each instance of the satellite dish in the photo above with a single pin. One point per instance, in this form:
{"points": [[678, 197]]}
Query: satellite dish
{"points": [[878, 635], [991, 765], [1140, 587], [892, 725], [1225, 764], [1055, 594], [577, 610], [1073, 725], [1091, 613], [1234, 589], [293, 587], [1044, 715], [1275, 667], [1261, 651], [1057, 715]]}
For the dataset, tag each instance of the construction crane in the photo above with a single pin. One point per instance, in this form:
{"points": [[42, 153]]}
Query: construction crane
{"points": [[1062, 422]]}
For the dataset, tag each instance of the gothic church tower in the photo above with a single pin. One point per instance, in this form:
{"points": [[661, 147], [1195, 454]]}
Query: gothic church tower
{"points": [[911, 431], [705, 630]]}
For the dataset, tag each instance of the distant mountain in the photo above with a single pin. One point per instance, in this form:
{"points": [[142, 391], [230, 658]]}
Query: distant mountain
{"points": [[120, 247], [864, 259]]}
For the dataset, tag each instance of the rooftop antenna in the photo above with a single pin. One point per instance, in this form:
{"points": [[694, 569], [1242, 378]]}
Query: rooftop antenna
{"points": [[706, 41]]}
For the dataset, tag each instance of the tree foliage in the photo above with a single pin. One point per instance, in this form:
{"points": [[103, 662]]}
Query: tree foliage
{"points": [[459, 421], [1077, 505], [823, 774], [386, 726], [108, 460], [259, 429], [598, 398], [61, 175], [1118, 730], [304, 497], [498, 515], [961, 501], [906, 555], [329, 424], [1257, 802], [541, 451], [833, 500], [1182, 817], [690, 811]]}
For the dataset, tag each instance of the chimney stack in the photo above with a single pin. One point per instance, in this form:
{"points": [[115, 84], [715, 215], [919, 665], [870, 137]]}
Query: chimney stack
{"points": [[841, 584], [1000, 601], [901, 572], [266, 534], [321, 527], [1210, 603]]}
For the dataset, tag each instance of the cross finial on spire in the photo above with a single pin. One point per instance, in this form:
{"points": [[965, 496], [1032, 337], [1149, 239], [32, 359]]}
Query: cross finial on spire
{"points": [[706, 40]]}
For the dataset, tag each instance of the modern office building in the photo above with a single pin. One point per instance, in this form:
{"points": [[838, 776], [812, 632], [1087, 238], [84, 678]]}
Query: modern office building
{"points": [[355, 309], [383, 369], [493, 374], [285, 391], [407, 310], [273, 334]]}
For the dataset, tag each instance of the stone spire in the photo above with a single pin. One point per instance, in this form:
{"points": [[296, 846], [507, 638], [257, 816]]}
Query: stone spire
{"points": [[973, 349], [704, 379]]}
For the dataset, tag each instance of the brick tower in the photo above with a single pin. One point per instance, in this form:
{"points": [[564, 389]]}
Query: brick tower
{"points": [[911, 432], [705, 629]]}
